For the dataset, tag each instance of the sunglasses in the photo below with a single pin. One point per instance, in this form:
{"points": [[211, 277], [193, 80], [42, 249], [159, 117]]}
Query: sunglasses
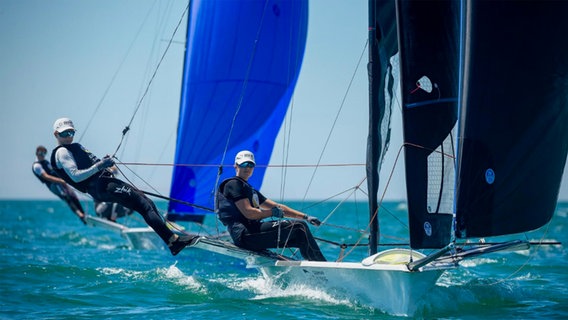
{"points": [[68, 133], [246, 165], [41, 153]]}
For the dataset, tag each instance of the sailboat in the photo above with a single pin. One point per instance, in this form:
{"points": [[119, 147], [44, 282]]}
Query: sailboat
{"points": [[485, 121], [230, 100]]}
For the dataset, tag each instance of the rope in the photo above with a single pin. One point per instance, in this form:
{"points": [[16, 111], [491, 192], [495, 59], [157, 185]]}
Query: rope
{"points": [[178, 201], [156, 194], [259, 165]]}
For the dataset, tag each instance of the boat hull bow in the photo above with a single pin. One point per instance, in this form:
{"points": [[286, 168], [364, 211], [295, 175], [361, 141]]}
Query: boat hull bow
{"points": [[383, 281]]}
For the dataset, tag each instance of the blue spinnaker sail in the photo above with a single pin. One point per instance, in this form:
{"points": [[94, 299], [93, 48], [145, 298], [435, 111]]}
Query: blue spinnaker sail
{"points": [[242, 62]]}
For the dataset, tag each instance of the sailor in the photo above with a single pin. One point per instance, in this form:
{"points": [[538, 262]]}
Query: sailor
{"points": [[44, 172], [242, 208], [86, 173]]}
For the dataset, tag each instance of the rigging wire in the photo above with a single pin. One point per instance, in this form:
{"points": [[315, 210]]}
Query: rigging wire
{"points": [[336, 117], [241, 98], [172, 225], [380, 204], [127, 128], [529, 258], [286, 150], [146, 91], [331, 197], [161, 25], [156, 193], [259, 165], [84, 131], [288, 120], [352, 192]]}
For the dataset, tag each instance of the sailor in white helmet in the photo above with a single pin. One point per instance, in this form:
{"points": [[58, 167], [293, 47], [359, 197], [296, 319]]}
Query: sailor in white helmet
{"points": [[86, 173], [243, 210]]}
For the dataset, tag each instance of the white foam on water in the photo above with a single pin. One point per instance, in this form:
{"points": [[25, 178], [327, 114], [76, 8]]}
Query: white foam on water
{"points": [[264, 289], [122, 272], [470, 263], [173, 273]]}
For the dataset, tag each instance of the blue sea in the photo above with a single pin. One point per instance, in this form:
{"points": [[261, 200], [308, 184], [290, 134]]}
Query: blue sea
{"points": [[54, 267]]}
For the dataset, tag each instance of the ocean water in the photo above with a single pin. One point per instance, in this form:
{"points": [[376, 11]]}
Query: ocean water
{"points": [[53, 267]]}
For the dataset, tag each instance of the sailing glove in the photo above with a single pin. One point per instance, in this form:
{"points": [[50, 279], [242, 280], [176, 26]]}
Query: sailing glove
{"points": [[314, 221], [277, 212], [107, 162]]}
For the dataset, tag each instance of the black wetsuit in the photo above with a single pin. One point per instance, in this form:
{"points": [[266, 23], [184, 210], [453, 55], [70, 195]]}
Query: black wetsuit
{"points": [[103, 187], [257, 235]]}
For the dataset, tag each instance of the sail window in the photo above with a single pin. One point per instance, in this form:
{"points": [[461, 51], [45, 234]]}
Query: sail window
{"points": [[441, 173]]}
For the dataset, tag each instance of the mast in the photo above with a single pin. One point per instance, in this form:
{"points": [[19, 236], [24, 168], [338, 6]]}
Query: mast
{"points": [[373, 141]]}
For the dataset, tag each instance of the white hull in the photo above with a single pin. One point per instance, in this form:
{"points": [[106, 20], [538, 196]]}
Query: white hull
{"points": [[387, 284], [104, 223], [392, 289], [143, 239], [138, 238]]}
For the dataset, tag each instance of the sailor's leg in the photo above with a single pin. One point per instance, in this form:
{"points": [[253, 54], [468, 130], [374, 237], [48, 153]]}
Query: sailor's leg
{"points": [[114, 190]]}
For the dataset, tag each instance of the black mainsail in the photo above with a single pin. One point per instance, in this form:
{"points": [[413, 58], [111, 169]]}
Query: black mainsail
{"points": [[514, 119], [429, 65], [484, 97]]}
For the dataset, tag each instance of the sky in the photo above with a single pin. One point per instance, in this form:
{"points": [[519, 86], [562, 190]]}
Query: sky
{"points": [[92, 61]]}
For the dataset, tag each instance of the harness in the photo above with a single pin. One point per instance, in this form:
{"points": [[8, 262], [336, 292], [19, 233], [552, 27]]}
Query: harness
{"points": [[227, 210], [83, 158]]}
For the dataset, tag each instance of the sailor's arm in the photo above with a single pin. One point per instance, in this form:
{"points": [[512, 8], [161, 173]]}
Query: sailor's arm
{"points": [[288, 212], [38, 170], [65, 160], [251, 212]]}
